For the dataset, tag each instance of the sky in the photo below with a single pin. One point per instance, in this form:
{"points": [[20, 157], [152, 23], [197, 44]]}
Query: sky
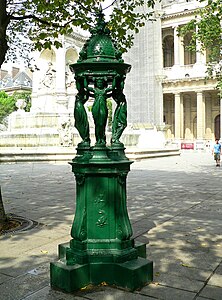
{"points": [[108, 11]]}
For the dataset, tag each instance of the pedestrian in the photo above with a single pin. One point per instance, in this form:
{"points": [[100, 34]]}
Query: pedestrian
{"points": [[217, 152]]}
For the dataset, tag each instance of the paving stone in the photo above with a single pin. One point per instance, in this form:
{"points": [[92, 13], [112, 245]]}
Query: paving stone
{"points": [[17, 246], [4, 277], [216, 280], [24, 285], [18, 266], [108, 293], [212, 292], [180, 269], [166, 293], [193, 259], [49, 294], [178, 281], [219, 269]]}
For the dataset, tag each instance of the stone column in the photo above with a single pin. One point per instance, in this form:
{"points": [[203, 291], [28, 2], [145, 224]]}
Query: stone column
{"points": [[169, 121], [181, 51], [178, 115], [60, 80], [176, 47], [188, 119], [220, 117], [200, 115], [208, 112], [181, 116]]}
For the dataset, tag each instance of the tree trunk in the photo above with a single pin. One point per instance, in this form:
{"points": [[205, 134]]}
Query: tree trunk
{"points": [[3, 217], [3, 50], [4, 22]]}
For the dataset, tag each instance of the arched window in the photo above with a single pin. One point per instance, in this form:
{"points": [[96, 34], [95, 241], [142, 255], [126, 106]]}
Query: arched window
{"points": [[47, 66], [168, 51], [48, 55], [189, 56], [71, 58]]}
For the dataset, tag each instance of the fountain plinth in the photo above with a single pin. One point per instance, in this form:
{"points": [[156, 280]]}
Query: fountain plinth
{"points": [[101, 248]]}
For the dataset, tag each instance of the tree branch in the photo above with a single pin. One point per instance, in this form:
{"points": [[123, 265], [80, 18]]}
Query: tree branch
{"points": [[33, 17], [110, 5]]}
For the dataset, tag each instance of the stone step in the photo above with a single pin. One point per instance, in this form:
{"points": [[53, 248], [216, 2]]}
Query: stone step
{"points": [[63, 154]]}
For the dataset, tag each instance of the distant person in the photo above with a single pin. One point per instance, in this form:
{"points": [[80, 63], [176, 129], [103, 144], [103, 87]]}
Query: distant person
{"points": [[217, 152]]}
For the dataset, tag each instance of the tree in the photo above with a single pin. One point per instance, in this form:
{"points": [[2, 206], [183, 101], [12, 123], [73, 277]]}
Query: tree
{"points": [[207, 29], [3, 217], [43, 22], [23, 95], [8, 103]]}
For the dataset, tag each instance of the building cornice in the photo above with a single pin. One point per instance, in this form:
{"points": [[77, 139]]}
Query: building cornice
{"points": [[16, 88], [193, 84], [189, 12], [78, 37]]}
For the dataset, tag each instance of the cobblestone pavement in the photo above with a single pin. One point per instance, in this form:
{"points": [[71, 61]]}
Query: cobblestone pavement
{"points": [[174, 204]]}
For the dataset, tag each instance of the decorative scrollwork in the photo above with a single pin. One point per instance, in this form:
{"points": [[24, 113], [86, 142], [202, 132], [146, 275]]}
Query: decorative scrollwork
{"points": [[122, 178], [102, 220], [80, 178]]}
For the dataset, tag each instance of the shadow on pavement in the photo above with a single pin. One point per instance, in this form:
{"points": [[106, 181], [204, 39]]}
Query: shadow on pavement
{"points": [[174, 206]]}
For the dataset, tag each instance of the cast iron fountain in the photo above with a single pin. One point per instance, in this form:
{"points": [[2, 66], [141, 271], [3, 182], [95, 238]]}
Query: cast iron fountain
{"points": [[101, 248]]}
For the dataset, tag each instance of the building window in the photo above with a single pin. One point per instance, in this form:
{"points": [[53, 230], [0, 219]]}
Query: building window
{"points": [[189, 56], [168, 51]]}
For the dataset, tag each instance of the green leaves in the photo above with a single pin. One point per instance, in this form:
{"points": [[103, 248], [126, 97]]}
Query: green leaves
{"points": [[207, 30], [43, 21], [7, 105]]}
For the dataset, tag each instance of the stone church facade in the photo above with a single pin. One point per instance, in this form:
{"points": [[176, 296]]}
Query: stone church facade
{"points": [[191, 104], [167, 87]]}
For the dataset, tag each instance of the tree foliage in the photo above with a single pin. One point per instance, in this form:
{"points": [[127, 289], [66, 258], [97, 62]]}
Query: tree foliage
{"points": [[23, 95], [43, 22], [207, 30], [8, 103]]}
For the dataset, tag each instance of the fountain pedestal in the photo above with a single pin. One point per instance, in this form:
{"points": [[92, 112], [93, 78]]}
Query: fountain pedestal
{"points": [[101, 248]]}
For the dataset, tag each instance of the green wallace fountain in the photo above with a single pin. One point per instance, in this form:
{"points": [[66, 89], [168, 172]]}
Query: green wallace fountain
{"points": [[101, 248]]}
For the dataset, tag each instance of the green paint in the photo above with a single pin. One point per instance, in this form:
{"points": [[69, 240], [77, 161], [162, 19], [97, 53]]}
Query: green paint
{"points": [[101, 248]]}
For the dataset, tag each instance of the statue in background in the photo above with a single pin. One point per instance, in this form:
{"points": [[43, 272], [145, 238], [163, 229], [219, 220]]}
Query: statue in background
{"points": [[48, 80], [66, 132]]}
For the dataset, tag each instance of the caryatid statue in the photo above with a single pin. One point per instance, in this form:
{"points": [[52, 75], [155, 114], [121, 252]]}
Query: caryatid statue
{"points": [[120, 116], [100, 92], [80, 115]]}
